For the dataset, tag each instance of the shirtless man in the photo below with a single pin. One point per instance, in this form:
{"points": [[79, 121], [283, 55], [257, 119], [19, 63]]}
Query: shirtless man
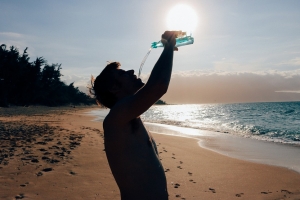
{"points": [[130, 149]]}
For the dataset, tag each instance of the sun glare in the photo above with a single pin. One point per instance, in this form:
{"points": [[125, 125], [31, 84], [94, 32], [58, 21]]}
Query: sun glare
{"points": [[182, 17]]}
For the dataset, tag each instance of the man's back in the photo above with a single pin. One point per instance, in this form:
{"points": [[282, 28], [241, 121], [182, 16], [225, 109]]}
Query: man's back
{"points": [[131, 153]]}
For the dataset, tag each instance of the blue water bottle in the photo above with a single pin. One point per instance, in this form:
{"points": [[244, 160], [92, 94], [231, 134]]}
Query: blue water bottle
{"points": [[182, 40]]}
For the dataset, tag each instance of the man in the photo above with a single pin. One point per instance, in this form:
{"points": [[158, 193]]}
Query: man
{"points": [[130, 149]]}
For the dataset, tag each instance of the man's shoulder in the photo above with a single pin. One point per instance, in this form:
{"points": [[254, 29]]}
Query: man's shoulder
{"points": [[113, 118], [118, 114], [114, 127]]}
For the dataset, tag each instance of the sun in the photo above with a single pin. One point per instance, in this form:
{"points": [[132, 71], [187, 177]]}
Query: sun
{"points": [[182, 17]]}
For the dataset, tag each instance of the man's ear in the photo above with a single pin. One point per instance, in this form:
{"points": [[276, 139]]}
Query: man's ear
{"points": [[115, 89]]}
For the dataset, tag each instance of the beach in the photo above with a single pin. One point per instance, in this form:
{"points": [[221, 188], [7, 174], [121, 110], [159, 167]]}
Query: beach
{"points": [[58, 153]]}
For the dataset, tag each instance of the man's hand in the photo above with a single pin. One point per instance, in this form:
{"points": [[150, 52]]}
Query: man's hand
{"points": [[169, 38]]}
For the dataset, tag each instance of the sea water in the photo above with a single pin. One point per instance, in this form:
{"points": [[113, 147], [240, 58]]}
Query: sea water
{"points": [[277, 122], [266, 133]]}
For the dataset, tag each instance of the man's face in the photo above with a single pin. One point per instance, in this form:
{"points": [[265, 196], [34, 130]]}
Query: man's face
{"points": [[128, 82]]}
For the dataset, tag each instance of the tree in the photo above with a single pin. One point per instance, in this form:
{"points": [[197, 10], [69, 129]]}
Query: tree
{"points": [[160, 102], [23, 82]]}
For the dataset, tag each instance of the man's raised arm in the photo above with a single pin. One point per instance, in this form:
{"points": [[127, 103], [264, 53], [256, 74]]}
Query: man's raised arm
{"points": [[157, 85]]}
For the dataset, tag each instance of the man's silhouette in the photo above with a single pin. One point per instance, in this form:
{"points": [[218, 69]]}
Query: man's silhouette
{"points": [[130, 149]]}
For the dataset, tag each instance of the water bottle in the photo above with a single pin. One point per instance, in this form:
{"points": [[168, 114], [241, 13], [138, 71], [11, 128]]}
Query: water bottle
{"points": [[180, 41]]}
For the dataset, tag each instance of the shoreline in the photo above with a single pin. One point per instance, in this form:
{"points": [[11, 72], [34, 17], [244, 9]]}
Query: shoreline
{"points": [[204, 173], [101, 113], [83, 173], [234, 146], [248, 149]]}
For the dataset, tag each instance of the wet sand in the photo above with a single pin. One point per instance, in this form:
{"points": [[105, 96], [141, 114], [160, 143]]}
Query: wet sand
{"points": [[58, 153], [249, 149]]}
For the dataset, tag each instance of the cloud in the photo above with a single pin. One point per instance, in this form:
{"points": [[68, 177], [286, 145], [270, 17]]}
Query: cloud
{"points": [[285, 60], [229, 87], [79, 81], [222, 86], [292, 62], [289, 91], [235, 65], [17, 40], [11, 35]]}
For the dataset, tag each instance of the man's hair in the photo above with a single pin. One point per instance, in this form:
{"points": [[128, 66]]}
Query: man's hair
{"points": [[102, 84]]}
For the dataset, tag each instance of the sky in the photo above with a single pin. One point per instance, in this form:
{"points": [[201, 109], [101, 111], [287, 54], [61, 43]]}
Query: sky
{"points": [[244, 51]]}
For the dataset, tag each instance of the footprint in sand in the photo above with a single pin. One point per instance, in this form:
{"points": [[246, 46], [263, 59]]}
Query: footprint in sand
{"points": [[47, 169], [191, 180], [35, 160], [26, 158], [42, 149], [20, 196], [239, 195], [39, 174], [53, 161], [54, 147], [45, 158], [72, 173], [41, 143], [286, 191], [212, 190], [265, 192]]}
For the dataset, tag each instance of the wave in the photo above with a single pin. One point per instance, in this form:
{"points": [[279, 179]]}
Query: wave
{"points": [[248, 131], [277, 122]]}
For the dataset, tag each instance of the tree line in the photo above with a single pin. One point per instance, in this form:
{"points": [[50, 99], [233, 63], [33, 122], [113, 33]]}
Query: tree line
{"points": [[25, 83]]}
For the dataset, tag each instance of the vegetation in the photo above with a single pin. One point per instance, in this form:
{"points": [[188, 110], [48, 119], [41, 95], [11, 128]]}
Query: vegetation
{"points": [[160, 102], [26, 83]]}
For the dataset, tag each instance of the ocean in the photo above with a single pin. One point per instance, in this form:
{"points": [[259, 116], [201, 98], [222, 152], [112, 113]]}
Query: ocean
{"points": [[266, 133], [276, 121]]}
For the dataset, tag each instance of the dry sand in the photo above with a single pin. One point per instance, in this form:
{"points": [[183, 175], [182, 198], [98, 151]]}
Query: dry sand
{"points": [[58, 153]]}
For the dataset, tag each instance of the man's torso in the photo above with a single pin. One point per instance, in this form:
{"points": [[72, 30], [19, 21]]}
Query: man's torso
{"points": [[133, 160]]}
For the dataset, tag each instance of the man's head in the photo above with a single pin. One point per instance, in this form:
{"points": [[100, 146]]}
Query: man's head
{"points": [[114, 84]]}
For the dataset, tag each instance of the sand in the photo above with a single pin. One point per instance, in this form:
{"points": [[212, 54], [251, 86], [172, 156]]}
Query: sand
{"points": [[58, 153]]}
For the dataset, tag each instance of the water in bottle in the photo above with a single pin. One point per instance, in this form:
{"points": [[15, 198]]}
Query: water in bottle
{"points": [[181, 40]]}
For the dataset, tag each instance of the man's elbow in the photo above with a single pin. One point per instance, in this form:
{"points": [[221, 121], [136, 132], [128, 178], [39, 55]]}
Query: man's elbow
{"points": [[165, 89], [157, 89], [161, 89]]}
